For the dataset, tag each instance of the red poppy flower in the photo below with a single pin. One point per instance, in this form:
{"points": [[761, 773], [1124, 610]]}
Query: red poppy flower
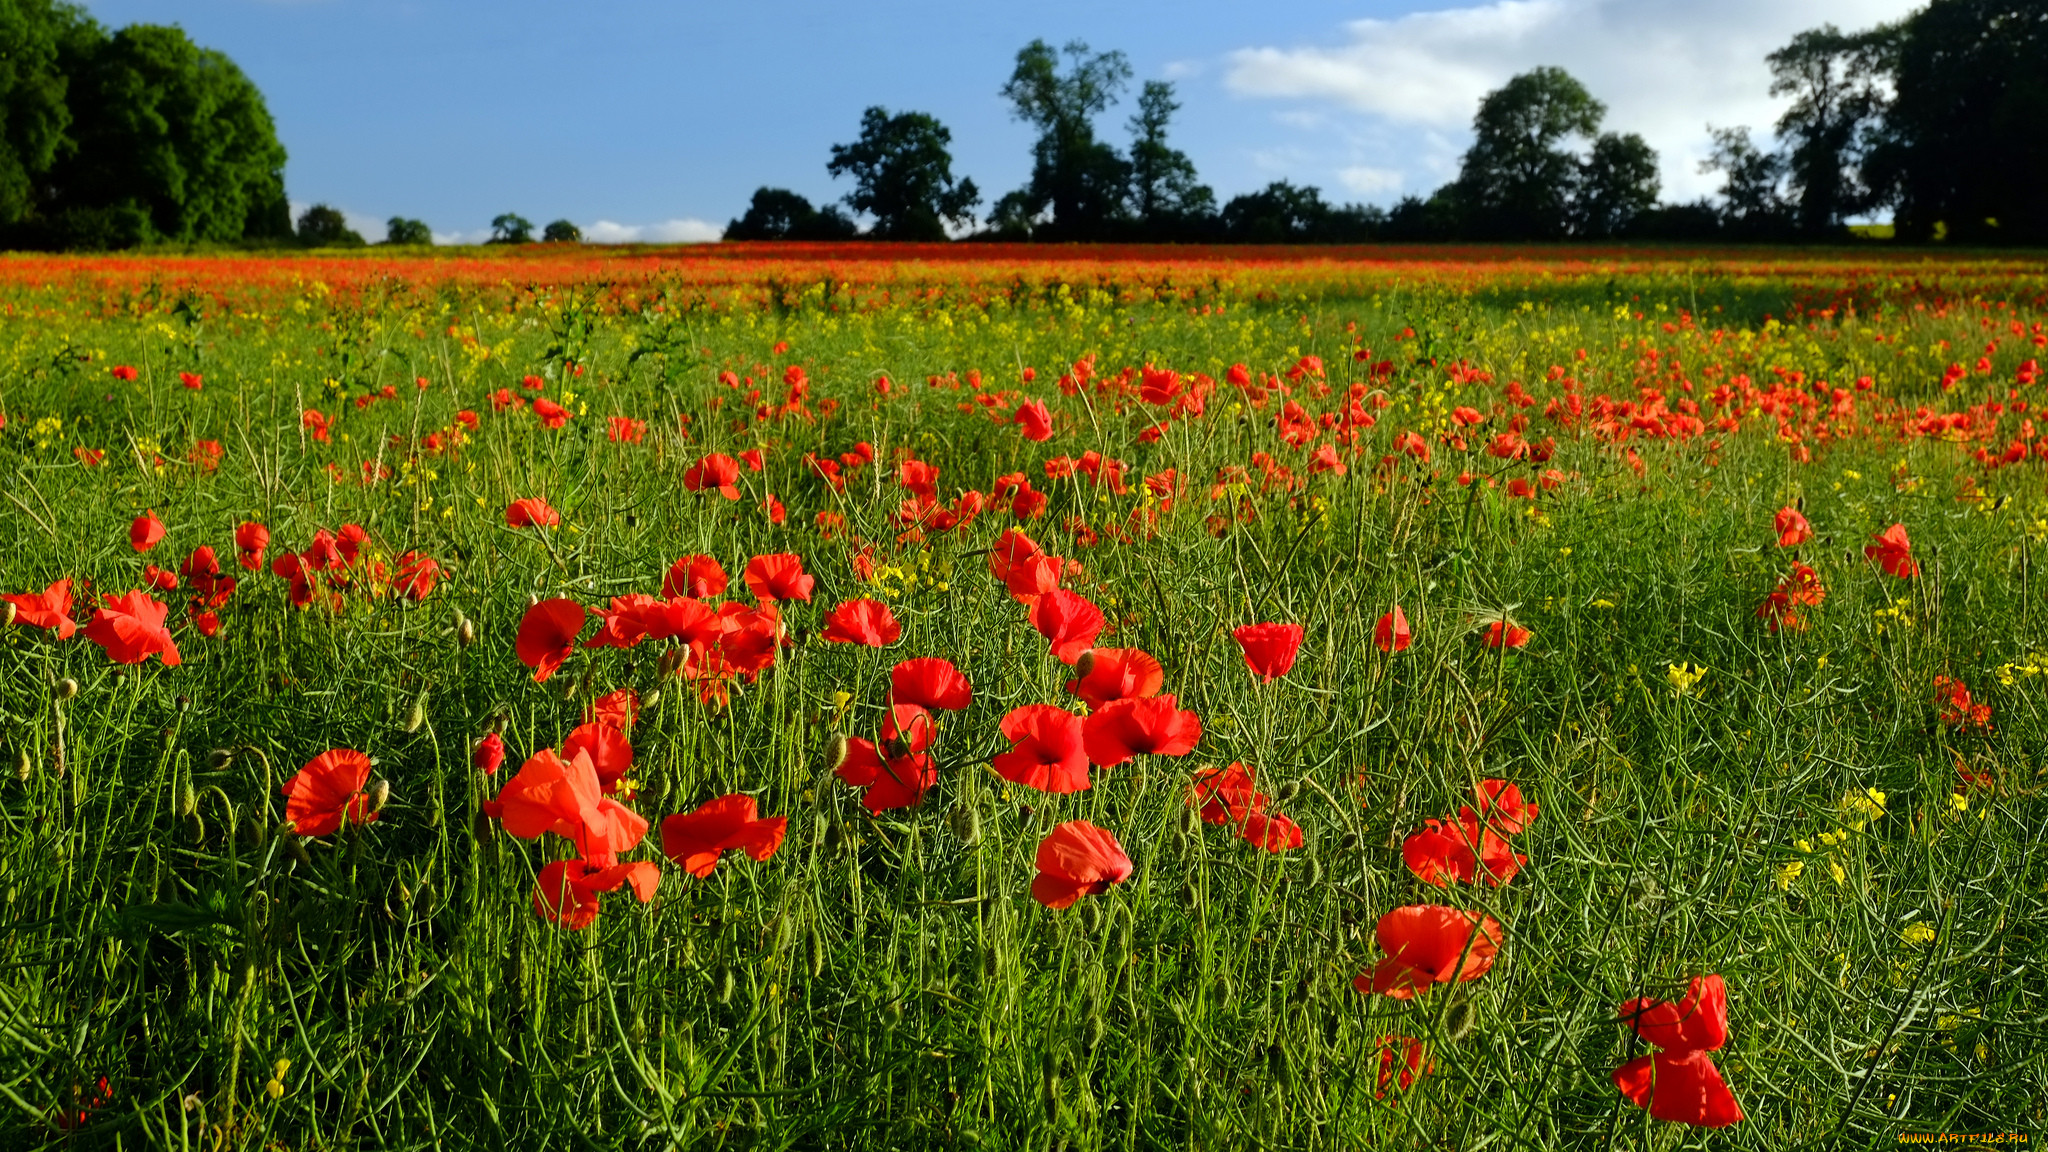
{"points": [[90, 457], [1392, 633], [1893, 553], [930, 682], [207, 623], [1031, 577], [159, 579], [547, 635], [1034, 420], [630, 619], [144, 533], [898, 781], [1269, 649], [1270, 831], [698, 577], [566, 891], [532, 512], [779, 577], [1447, 850], [696, 623], [1681, 1084], [489, 754], [1077, 859], [866, 622], [122, 372], [694, 840], [1502, 808], [251, 539], [1122, 729], [1792, 527], [1046, 751], [201, 570], [1507, 634], [551, 414], [191, 380], [1227, 795], [611, 756], [618, 709], [323, 554], [328, 790], [1070, 620], [131, 629], [1429, 944], [50, 608], [350, 542], [716, 471], [1010, 548], [1405, 1053], [626, 430], [551, 794], [1110, 674], [417, 575]]}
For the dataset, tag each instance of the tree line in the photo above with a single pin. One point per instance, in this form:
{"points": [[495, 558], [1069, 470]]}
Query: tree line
{"points": [[1937, 117]]}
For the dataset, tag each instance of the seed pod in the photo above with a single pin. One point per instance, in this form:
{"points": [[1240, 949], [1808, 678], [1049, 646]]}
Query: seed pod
{"points": [[417, 717], [379, 793], [1460, 1019], [65, 689], [965, 821], [1287, 792], [836, 745], [1085, 664], [465, 633]]}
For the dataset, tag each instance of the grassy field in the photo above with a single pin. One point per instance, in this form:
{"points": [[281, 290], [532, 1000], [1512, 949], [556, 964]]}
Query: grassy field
{"points": [[1831, 797]]}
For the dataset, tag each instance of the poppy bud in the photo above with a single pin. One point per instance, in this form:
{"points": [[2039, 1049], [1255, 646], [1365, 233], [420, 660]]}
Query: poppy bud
{"points": [[814, 952], [1024, 813], [296, 846], [1287, 792], [465, 633], [1049, 1070], [483, 829], [404, 895], [1096, 1030], [455, 610], [991, 961], [836, 746], [1459, 1020], [1315, 870], [1084, 664], [195, 826], [1187, 820], [7, 612], [418, 715], [670, 663], [66, 689], [649, 701], [23, 768], [725, 983], [965, 821], [252, 836], [1347, 842], [379, 793], [835, 837], [183, 703], [188, 800], [219, 759]]}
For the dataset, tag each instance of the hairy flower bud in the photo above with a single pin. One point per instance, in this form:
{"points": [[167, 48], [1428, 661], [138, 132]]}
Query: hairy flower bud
{"points": [[66, 689]]}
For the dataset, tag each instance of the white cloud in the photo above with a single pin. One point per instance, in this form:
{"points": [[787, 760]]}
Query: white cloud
{"points": [[1366, 180], [473, 236], [1664, 68], [686, 231]]}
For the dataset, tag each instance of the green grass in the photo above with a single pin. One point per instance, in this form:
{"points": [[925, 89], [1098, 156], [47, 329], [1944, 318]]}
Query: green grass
{"points": [[889, 983]]}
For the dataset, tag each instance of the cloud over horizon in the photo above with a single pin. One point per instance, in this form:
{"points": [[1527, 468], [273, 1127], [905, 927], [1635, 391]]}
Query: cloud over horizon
{"points": [[1664, 68]]}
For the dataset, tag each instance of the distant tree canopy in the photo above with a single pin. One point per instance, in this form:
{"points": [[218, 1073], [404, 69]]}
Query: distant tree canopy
{"points": [[510, 228], [903, 176], [324, 227], [109, 140], [561, 232], [401, 231], [779, 214]]}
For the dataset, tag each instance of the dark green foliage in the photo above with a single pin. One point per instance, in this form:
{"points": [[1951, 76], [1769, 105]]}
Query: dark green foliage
{"points": [[171, 142], [1281, 213], [411, 233], [1518, 177], [1965, 143], [779, 214], [1165, 195], [1836, 81], [561, 232], [1752, 206], [1082, 182], [322, 226], [33, 116], [1617, 185], [511, 228], [903, 176]]}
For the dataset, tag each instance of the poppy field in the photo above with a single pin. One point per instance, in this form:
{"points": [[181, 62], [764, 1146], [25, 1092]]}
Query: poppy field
{"points": [[996, 698]]}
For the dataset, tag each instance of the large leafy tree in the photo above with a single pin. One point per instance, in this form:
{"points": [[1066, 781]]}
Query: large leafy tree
{"points": [[323, 226], [1965, 145], [1168, 200], [1082, 182], [1518, 178], [173, 143], [1284, 213], [33, 113], [903, 176], [779, 214], [1617, 185], [1752, 202], [1837, 81]]}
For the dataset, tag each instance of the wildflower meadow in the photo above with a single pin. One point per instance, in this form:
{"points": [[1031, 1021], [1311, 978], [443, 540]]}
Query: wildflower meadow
{"points": [[983, 697]]}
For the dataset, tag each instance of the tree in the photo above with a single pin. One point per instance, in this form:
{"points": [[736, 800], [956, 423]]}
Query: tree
{"points": [[1164, 192], [1963, 142], [779, 214], [1281, 213], [1082, 181], [511, 228], [903, 176], [1837, 84], [1617, 186], [322, 226], [561, 232], [410, 233], [1517, 180], [1752, 205], [33, 113], [171, 142]]}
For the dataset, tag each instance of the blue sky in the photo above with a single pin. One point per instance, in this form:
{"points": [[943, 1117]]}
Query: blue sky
{"points": [[646, 120]]}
